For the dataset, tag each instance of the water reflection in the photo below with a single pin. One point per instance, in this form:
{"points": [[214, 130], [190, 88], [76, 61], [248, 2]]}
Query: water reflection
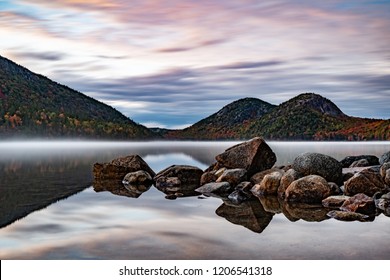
{"points": [[106, 221], [118, 188]]}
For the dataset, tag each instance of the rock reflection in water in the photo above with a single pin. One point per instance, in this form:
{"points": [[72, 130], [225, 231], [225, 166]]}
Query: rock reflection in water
{"points": [[117, 188], [249, 214]]}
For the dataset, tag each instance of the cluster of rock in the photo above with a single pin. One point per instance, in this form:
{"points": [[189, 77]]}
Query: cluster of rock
{"points": [[356, 188]]}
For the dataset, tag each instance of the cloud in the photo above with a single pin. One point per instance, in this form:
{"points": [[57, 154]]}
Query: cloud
{"points": [[250, 65], [50, 56]]}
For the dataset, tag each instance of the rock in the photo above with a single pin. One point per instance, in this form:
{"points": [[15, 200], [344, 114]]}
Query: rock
{"points": [[269, 184], [309, 189], [249, 214], [233, 176], [385, 173], [219, 172], [241, 193], [367, 181], [290, 176], [348, 161], [140, 177], [318, 164], [334, 201], [336, 190], [382, 202], [360, 163], [347, 216], [259, 176], [347, 176], [254, 156], [180, 178], [384, 158], [359, 203], [219, 188], [119, 167], [208, 177]]}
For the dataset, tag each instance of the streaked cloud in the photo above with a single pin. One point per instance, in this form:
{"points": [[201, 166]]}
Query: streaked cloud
{"points": [[186, 59]]}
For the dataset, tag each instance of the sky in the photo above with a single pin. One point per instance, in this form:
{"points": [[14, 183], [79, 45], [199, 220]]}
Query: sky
{"points": [[171, 63]]}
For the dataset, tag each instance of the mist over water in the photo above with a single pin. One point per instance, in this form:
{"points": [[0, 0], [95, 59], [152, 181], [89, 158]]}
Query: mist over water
{"points": [[46, 194]]}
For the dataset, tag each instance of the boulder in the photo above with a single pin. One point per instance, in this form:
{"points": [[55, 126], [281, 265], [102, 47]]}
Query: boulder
{"points": [[233, 176], [140, 177], [254, 156], [269, 184], [367, 181], [258, 177], [348, 161], [180, 178], [359, 203], [219, 188], [310, 189], [290, 176], [385, 173], [119, 167], [384, 158], [319, 164]]}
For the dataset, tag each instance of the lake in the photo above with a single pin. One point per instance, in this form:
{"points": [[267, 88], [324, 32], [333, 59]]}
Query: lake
{"points": [[50, 210]]}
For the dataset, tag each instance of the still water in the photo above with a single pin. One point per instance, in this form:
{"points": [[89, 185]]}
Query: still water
{"points": [[50, 210]]}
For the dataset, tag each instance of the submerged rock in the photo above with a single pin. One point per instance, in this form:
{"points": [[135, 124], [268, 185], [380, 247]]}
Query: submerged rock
{"points": [[334, 201], [318, 164], [254, 156], [309, 189], [348, 216], [119, 167]]}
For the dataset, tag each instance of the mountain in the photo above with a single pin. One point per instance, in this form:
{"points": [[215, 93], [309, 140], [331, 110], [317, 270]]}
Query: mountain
{"points": [[307, 116], [226, 123], [310, 116], [31, 105]]}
